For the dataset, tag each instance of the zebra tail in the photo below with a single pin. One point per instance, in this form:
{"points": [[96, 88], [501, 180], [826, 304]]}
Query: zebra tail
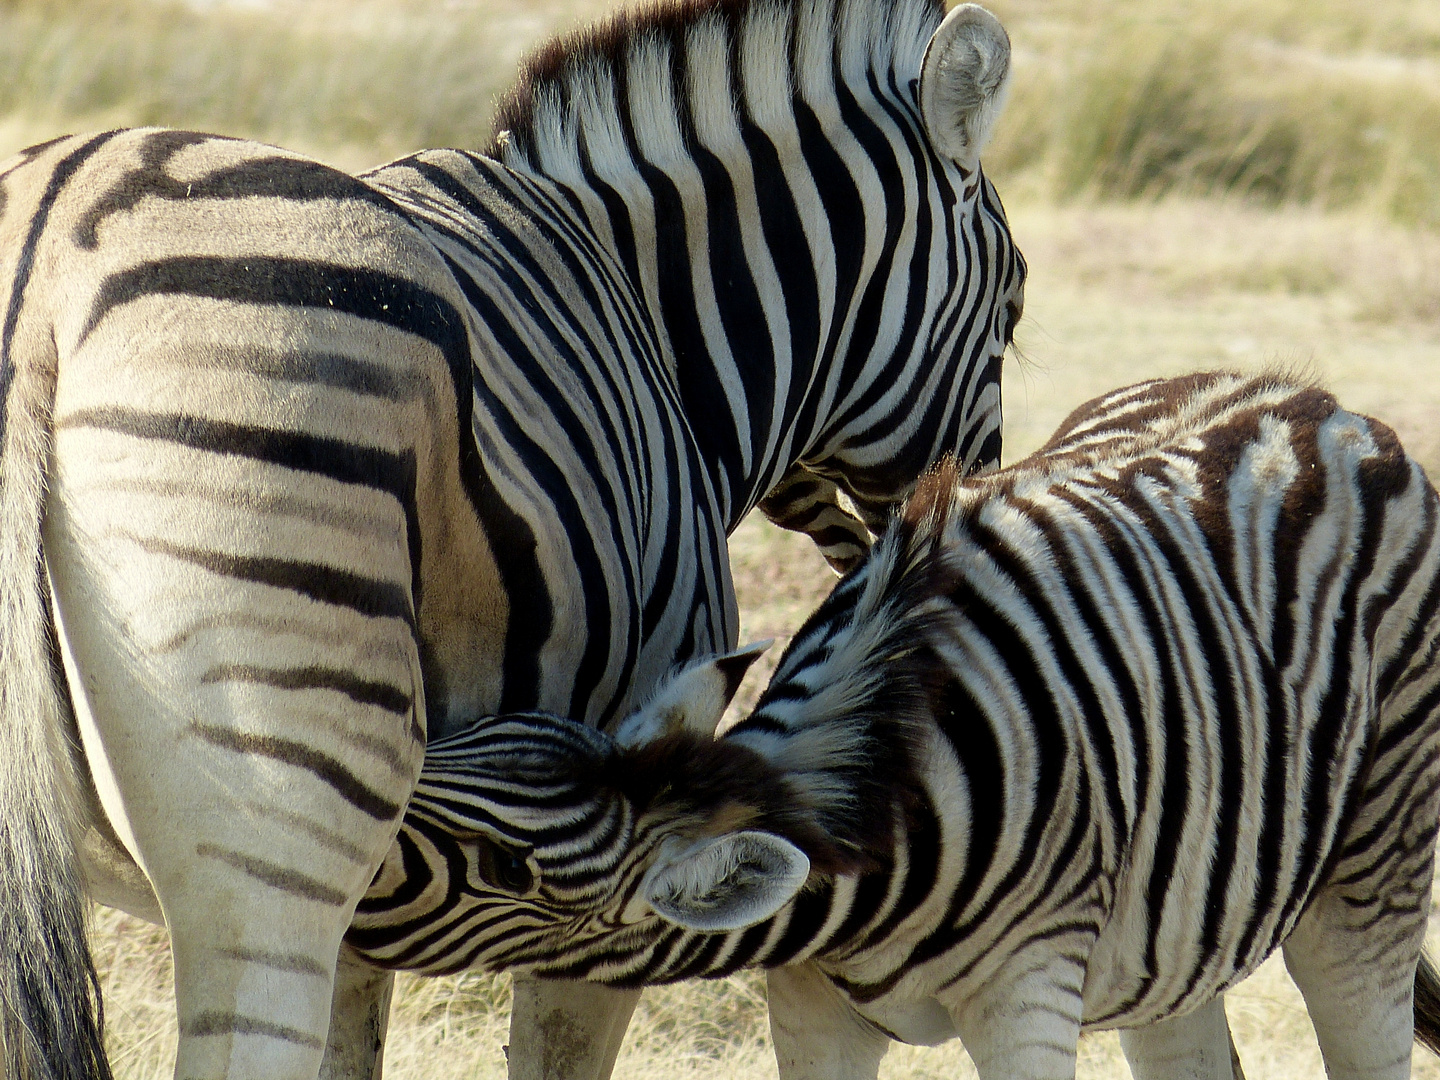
{"points": [[1427, 1005], [51, 1018]]}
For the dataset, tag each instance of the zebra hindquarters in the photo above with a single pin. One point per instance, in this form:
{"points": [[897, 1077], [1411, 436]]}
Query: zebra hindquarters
{"points": [[1356, 952], [231, 557], [252, 735]]}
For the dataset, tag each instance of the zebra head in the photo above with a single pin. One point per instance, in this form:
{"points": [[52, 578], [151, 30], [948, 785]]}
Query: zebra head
{"points": [[539, 843], [926, 377]]}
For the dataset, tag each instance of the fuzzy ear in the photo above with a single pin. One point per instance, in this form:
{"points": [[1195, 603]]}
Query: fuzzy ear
{"points": [[962, 82], [727, 882], [693, 699]]}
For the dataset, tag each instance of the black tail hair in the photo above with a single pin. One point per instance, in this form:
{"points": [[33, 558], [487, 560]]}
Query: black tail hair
{"points": [[1427, 1004], [51, 1020]]}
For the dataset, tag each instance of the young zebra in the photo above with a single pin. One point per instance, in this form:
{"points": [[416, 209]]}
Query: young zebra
{"points": [[326, 465], [1079, 745]]}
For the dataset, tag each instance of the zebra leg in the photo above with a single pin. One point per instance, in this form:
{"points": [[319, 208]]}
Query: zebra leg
{"points": [[359, 1015], [817, 1034], [1355, 949], [1024, 1022], [247, 1009], [1196, 1046], [258, 801], [1357, 974], [564, 1030], [807, 503]]}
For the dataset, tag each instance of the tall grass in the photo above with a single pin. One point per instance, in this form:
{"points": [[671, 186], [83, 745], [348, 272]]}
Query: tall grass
{"points": [[1332, 103], [367, 79], [1325, 102]]}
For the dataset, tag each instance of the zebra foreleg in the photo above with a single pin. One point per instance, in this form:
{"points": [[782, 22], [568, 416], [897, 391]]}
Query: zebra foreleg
{"points": [[1196, 1046], [808, 503], [563, 1030], [817, 1034], [1024, 1022], [359, 1015]]}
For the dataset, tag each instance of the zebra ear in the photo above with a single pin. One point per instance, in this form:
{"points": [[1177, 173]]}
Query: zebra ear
{"points": [[727, 882], [694, 699], [962, 82]]}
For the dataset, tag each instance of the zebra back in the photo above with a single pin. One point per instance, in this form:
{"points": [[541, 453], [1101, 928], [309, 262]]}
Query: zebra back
{"points": [[1199, 593]]}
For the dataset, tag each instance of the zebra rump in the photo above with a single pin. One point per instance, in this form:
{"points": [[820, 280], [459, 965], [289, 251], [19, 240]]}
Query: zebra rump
{"points": [[1079, 745]]}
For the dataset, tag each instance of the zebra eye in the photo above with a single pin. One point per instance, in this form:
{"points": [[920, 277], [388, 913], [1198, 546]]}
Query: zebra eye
{"points": [[1012, 316], [512, 873], [504, 868]]}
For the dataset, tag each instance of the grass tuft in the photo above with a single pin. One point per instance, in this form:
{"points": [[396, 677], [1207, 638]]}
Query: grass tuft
{"points": [[1272, 102], [360, 82]]}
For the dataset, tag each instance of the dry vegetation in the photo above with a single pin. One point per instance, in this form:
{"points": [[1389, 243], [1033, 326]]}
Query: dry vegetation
{"points": [[1326, 102], [1235, 183]]}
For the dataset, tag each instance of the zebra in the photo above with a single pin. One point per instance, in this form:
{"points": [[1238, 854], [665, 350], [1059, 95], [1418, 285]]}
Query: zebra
{"points": [[303, 470], [1079, 745]]}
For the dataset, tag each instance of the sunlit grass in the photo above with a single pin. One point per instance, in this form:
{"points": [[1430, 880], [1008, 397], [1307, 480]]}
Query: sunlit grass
{"points": [[354, 82], [1333, 103]]}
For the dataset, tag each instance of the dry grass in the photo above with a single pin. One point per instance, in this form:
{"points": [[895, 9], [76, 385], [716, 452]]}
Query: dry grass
{"points": [[354, 82], [1120, 292], [1286, 102], [1329, 103]]}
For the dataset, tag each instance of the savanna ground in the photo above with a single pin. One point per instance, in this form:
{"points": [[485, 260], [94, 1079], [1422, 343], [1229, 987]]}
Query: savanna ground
{"points": [[1230, 184]]}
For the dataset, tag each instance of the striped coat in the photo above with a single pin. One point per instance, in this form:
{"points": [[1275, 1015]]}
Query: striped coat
{"points": [[1080, 744]]}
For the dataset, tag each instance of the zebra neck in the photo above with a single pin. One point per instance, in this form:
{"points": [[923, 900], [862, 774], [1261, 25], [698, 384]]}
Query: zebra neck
{"points": [[730, 156]]}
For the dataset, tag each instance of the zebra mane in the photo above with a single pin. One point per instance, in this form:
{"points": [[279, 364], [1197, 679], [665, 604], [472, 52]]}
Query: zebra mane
{"points": [[633, 65], [852, 699]]}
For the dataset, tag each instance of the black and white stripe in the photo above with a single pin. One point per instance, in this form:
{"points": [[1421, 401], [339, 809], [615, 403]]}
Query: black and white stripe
{"points": [[328, 464], [1187, 711], [1079, 745]]}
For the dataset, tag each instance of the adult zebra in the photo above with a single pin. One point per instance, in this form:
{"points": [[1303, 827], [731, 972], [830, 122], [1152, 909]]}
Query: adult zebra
{"points": [[326, 464], [1079, 745]]}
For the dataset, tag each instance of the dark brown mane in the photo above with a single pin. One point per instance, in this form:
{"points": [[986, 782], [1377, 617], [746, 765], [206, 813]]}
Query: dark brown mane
{"points": [[686, 776], [604, 44], [929, 504]]}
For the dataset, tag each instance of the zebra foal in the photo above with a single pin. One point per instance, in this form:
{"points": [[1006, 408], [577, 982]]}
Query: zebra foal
{"points": [[1078, 745], [300, 470]]}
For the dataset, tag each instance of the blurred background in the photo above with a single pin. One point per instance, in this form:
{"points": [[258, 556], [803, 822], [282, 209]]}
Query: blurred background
{"points": [[1234, 183]]}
